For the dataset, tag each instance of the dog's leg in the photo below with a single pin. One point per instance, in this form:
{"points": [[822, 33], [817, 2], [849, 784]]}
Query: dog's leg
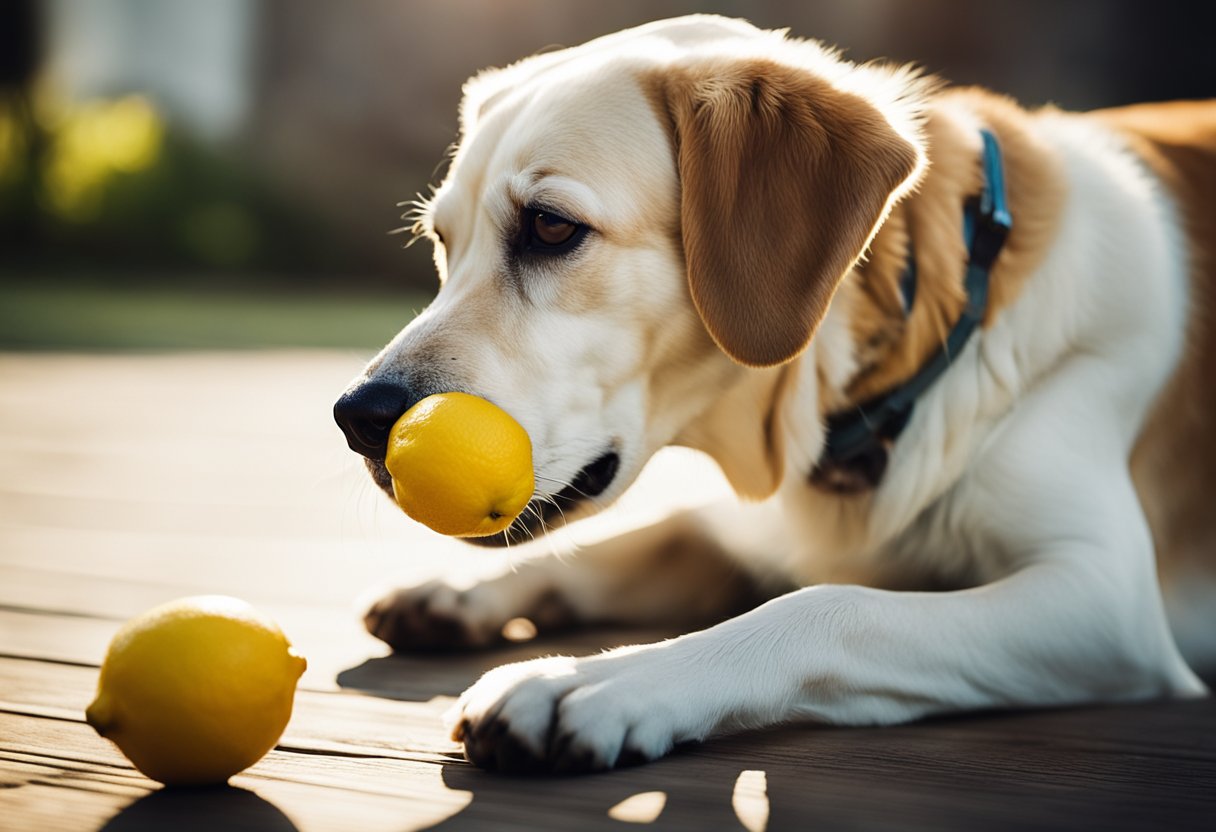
{"points": [[1076, 618], [672, 572]]}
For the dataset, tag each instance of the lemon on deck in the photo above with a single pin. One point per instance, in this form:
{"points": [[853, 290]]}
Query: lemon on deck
{"points": [[196, 690], [460, 465]]}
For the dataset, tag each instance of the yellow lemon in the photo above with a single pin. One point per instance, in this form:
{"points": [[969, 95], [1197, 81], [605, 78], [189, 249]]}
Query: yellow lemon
{"points": [[195, 690], [460, 465]]}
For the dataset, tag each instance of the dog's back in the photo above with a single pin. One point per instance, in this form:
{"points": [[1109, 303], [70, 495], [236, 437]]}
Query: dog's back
{"points": [[1174, 462]]}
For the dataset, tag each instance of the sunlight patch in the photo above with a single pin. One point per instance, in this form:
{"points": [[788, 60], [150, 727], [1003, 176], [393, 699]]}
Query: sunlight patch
{"points": [[644, 807], [750, 800]]}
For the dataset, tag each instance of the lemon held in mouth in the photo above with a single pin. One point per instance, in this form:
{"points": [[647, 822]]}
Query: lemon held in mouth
{"points": [[460, 465]]}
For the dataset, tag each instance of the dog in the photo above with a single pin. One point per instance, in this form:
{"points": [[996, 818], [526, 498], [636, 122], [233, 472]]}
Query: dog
{"points": [[955, 357]]}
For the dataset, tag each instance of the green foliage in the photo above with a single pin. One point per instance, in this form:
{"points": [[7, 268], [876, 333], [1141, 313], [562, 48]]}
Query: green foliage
{"points": [[109, 182]]}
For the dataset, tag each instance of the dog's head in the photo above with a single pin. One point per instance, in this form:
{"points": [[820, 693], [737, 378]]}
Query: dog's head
{"points": [[627, 227]]}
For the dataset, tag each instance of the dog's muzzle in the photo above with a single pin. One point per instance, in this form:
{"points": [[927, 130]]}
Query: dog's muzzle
{"points": [[366, 414]]}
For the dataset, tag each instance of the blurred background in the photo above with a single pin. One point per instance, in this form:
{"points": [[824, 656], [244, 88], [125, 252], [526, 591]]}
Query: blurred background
{"points": [[176, 173]]}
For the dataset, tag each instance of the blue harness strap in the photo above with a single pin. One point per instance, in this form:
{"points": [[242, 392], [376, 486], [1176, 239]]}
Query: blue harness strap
{"points": [[855, 452]]}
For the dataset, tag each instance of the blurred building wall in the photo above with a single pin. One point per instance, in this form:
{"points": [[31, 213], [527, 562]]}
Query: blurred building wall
{"points": [[192, 57], [356, 103], [348, 107]]}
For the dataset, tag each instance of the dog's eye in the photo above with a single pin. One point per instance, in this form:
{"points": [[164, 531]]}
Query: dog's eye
{"points": [[549, 230]]}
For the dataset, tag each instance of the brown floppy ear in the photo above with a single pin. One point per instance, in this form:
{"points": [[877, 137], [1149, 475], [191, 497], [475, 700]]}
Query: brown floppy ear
{"points": [[784, 179]]}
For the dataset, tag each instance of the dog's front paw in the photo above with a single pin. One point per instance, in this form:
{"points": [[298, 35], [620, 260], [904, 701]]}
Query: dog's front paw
{"points": [[436, 616], [568, 715]]}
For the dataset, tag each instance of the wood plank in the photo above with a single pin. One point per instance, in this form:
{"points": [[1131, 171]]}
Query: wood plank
{"points": [[321, 722], [83, 780], [302, 570], [332, 640], [1118, 767], [947, 789], [340, 653], [69, 682]]}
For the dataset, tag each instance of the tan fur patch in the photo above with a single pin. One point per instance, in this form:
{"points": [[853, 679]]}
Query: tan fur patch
{"points": [[1174, 461], [891, 348], [742, 433]]}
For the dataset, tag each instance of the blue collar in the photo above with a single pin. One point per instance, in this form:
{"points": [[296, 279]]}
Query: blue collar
{"points": [[858, 441]]}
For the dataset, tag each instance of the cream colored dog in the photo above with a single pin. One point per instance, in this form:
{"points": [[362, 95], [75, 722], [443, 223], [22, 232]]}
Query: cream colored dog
{"points": [[699, 233]]}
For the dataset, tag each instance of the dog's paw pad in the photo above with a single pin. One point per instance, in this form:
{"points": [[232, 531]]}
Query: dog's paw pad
{"points": [[433, 616]]}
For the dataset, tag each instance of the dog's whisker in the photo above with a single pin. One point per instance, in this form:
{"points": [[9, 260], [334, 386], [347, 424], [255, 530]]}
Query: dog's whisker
{"points": [[449, 154], [554, 549], [553, 502], [563, 485], [540, 515], [418, 217]]}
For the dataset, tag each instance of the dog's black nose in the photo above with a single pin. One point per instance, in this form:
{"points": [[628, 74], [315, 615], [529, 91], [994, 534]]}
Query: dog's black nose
{"points": [[367, 412]]}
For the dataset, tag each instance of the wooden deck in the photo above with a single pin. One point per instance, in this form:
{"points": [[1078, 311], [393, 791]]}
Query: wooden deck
{"points": [[127, 481]]}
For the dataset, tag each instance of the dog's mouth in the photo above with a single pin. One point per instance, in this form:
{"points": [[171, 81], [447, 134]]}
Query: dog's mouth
{"points": [[542, 514]]}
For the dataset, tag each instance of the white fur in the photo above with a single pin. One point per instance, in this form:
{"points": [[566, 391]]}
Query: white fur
{"points": [[1010, 479]]}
